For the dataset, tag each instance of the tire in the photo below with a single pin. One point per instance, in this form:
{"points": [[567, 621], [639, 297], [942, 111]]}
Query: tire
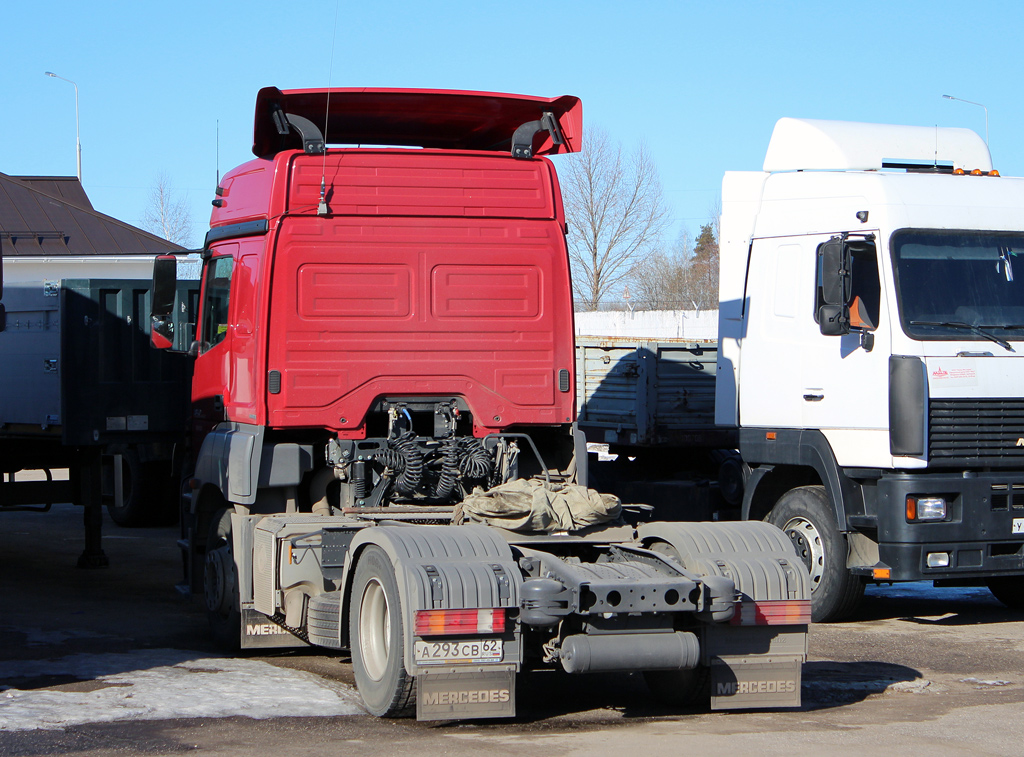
{"points": [[132, 512], [1009, 590], [805, 514], [148, 492], [220, 584], [377, 637]]}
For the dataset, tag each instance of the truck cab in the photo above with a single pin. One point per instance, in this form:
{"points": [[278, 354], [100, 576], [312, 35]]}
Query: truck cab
{"points": [[871, 329]]}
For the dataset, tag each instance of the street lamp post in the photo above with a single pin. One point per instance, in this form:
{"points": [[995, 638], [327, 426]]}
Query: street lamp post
{"points": [[960, 99], [78, 139]]}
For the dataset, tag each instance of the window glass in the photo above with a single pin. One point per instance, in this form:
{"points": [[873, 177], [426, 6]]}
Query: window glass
{"points": [[215, 302], [959, 284]]}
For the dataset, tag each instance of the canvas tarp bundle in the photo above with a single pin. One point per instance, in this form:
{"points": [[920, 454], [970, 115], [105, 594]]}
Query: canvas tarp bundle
{"points": [[532, 505]]}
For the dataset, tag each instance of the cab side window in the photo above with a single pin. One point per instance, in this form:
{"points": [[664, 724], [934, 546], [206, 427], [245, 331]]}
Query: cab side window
{"points": [[215, 301]]}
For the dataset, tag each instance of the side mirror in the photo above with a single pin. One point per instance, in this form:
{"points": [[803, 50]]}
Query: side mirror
{"points": [[165, 274], [836, 287], [836, 282], [834, 320]]}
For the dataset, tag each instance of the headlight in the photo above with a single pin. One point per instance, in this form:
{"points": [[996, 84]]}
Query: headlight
{"points": [[926, 508]]}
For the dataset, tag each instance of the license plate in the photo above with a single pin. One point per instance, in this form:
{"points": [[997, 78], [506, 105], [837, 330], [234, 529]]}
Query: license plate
{"points": [[453, 652], [1018, 526]]}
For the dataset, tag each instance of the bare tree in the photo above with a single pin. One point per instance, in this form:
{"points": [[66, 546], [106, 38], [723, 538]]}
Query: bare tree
{"points": [[616, 214], [682, 277], [715, 216], [167, 214], [661, 280]]}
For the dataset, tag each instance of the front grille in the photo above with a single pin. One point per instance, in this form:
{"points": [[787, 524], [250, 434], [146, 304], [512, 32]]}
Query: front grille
{"points": [[987, 432]]}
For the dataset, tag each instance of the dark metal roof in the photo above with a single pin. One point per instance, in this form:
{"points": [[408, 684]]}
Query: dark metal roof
{"points": [[67, 188], [51, 215]]}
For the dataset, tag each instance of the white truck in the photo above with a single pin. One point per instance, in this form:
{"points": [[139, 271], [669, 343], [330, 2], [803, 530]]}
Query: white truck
{"points": [[869, 360]]}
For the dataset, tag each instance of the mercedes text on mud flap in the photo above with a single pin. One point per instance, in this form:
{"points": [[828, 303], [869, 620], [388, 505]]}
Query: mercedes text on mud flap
{"points": [[384, 355]]}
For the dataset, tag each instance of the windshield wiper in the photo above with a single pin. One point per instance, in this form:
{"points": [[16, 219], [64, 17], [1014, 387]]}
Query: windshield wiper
{"points": [[969, 327]]}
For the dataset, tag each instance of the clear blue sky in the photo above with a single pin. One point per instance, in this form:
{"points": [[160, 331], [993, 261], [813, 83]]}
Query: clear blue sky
{"points": [[701, 83]]}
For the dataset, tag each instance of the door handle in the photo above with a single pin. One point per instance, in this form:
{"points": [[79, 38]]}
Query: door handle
{"points": [[814, 397]]}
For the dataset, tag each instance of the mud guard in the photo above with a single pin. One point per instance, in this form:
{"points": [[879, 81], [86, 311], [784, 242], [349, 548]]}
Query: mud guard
{"points": [[752, 664], [451, 568]]}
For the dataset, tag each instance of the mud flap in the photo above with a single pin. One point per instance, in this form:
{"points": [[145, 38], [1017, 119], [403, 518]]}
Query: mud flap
{"points": [[457, 696], [738, 684], [260, 632]]}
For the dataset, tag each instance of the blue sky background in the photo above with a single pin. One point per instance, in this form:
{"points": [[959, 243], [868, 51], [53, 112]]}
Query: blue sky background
{"points": [[701, 83]]}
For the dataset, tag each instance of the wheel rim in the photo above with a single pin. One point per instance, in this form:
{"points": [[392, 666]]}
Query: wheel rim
{"points": [[809, 546], [374, 630]]}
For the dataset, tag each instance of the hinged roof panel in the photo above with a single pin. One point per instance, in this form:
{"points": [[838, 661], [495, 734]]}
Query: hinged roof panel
{"points": [[807, 144], [446, 119]]}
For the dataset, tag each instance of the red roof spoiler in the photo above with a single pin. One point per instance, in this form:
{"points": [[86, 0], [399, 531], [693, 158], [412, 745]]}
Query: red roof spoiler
{"points": [[446, 119]]}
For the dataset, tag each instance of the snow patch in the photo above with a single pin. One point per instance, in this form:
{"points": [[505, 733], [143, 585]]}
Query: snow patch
{"points": [[978, 683], [163, 684]]}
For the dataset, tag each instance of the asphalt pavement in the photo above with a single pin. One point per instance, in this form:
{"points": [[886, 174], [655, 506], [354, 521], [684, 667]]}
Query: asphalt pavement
{"points": [[115, 661]]}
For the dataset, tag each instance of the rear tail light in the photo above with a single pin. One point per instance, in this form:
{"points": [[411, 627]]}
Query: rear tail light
{"points": [[778, 612], [460, 622]]}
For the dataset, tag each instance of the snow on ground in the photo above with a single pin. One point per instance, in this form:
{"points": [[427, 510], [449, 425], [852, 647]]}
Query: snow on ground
{"points": [[162, 684]]}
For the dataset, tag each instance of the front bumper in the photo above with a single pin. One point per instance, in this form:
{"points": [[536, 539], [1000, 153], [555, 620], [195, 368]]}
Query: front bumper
{"points": [[983, 533]]}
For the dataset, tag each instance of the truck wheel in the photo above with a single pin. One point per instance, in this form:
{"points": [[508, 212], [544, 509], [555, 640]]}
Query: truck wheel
{"points": [[132, 512], [146, 489], [680, 688], [377, 637], [220, 584], [805, 514], [1009, 590]]}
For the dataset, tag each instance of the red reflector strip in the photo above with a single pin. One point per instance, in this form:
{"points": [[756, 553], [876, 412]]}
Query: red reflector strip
{"points": [[778, 612], [460, 622]]}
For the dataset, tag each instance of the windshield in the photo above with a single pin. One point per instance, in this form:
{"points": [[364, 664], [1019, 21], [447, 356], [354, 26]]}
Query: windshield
{"points": [[965, 285]]}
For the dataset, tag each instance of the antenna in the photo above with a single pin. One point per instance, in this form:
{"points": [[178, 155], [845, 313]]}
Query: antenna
{"points": [[218, 152], [321, 208]]}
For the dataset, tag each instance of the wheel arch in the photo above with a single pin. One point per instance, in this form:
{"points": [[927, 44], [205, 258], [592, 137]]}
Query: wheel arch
{"points": [[792, 458], [443, 567]]}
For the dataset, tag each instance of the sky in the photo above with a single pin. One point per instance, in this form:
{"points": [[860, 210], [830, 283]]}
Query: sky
{"points": [[169, 88]]}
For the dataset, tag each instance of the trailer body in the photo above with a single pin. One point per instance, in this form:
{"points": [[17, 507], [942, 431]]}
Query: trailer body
{"points": [[80, 383]]}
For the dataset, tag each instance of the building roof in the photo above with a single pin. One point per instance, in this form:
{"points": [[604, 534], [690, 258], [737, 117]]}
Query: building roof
{"points": [[51, 215]]}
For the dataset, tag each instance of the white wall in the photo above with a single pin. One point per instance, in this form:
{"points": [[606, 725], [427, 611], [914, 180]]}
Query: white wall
{"points": [[656, 324]]}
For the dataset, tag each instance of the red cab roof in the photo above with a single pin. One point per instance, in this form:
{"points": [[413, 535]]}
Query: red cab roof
{"points": [[446, 119]]}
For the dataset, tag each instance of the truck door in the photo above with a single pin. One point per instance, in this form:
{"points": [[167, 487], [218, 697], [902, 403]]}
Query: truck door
{"points": [[845, 377], [211, 374]]}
